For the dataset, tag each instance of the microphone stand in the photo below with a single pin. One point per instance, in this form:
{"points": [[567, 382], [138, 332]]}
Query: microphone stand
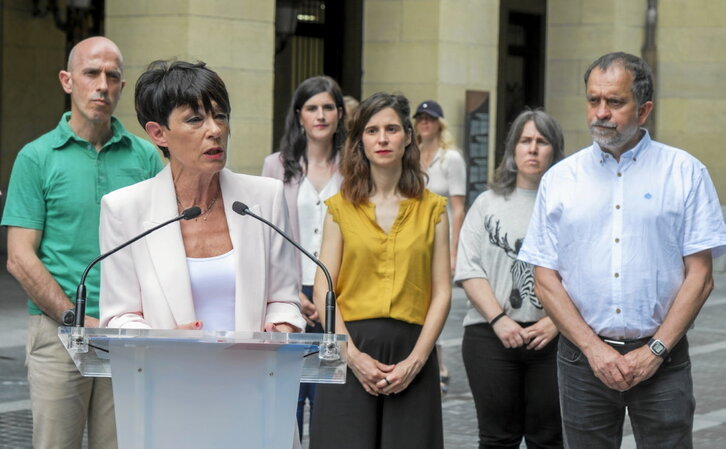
{"points": [[329, 351], [78, 340]]}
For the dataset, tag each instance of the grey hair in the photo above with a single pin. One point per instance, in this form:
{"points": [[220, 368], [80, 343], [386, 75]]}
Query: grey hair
{"points": [[505, 177], [641, 71]]}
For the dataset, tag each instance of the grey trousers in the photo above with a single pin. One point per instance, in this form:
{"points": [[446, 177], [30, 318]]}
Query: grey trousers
{"points": [[660, 408]]}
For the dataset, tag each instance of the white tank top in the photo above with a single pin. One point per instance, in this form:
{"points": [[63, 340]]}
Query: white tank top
{"points": [[213, 287]]}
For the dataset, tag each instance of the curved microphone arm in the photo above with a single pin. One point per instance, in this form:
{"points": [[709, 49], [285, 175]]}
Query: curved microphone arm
{"points": [[242, 209], [80, 307]]}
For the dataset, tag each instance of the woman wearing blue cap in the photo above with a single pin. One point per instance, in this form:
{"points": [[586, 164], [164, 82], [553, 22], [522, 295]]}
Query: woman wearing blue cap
{"points": [[443, 163], [446, 170]]}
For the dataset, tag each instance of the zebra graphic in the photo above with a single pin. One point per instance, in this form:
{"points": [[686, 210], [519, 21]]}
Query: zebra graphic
{"points": [[522, 272]]}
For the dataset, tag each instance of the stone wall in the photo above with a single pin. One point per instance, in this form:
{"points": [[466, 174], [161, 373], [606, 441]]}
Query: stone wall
{"points": [[234, 37], [691, 86], [432, 49], [31, 97], [578, 32]]}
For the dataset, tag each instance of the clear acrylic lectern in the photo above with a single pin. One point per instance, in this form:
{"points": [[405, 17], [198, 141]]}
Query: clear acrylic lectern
{"points": [[200, 389]]}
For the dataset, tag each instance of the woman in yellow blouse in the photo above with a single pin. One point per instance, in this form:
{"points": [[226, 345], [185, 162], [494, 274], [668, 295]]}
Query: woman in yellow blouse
{"points": [[386, 243]]}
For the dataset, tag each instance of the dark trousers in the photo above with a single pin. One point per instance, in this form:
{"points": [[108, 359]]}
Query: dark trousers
{"points": [[515, 391], [346, 417], [307, 391], [660, 408]]}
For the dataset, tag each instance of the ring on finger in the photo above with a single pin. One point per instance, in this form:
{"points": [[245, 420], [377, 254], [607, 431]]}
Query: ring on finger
{"points": [[388, 382]]}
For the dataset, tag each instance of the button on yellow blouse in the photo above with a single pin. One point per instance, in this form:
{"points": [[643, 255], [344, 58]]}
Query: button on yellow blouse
{"points": [[386, 275]]}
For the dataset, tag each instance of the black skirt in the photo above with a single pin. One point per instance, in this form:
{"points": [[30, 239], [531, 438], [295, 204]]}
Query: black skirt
{"points": [[345, 416]]}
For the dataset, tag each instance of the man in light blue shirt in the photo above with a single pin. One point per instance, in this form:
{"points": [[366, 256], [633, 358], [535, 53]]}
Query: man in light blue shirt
{"points": [[622, 235]]}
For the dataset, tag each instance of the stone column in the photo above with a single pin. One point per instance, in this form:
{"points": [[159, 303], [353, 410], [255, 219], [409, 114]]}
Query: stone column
{"points": [[31, 98], [578, 32], [234, 37], [691, 104], [432, 49]]}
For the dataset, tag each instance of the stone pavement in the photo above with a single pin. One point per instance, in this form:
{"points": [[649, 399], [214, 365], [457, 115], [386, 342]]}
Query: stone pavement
{"points": [[708, 352]]}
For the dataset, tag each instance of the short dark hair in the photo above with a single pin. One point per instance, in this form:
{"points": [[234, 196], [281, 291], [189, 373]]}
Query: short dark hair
{"points": [[293, 144], [167, 85], [641, 71], [357, 185], [505, 177]]}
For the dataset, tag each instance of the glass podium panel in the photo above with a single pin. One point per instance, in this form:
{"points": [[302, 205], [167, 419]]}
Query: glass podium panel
{"points": [[189, 389], [96, 361]]}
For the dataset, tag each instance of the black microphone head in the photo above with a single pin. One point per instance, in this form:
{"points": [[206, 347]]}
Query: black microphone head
{"points": [[240, 208], [192, 212]]}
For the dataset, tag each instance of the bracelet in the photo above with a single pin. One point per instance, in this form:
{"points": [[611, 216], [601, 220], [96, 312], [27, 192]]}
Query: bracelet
{"points": [[497, 318]]}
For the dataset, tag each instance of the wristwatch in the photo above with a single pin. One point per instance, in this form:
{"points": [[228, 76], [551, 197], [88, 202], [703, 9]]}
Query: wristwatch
{"points": [[658, 348], [69, 317]]}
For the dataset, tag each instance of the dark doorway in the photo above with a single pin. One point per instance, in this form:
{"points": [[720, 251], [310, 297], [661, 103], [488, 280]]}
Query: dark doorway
{"points": [[522, 34], [326, 40]]}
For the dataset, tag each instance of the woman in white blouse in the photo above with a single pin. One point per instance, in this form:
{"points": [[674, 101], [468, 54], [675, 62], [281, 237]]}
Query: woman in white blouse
{"points": [[446, 171], [307, 162], [443, 163]]}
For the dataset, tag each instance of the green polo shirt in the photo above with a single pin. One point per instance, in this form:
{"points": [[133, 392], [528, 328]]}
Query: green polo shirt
{"points": [[56, 187]]}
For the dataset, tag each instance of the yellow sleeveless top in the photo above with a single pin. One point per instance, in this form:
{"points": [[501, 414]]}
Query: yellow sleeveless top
{"points": [[386, 275]]}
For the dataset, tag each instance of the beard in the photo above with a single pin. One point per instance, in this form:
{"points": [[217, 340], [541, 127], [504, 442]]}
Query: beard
{"points": [[608, 136]]}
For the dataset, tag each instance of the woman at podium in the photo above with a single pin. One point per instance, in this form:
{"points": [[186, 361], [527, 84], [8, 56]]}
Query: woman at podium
{"points": [[218, 271], [386, 243]]}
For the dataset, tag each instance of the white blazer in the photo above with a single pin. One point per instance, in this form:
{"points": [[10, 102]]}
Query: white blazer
{"points": [[146, 285]]}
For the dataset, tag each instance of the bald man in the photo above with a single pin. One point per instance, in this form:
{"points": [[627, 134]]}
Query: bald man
{"points": [[52, 214]]}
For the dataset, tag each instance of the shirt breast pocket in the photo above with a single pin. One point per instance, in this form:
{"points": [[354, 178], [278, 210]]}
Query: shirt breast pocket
{"points": [[126, 176], [658, 215]]}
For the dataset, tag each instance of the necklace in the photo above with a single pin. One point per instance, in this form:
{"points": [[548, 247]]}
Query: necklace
{"points": [[204, 214]]}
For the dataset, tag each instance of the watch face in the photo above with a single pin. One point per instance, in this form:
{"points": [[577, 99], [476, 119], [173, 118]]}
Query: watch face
{"points": [[69, 317], [657, 347]]}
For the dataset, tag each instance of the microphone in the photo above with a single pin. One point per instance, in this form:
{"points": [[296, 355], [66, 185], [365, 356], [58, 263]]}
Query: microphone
{"points": [[242, 209], [80, 307]]}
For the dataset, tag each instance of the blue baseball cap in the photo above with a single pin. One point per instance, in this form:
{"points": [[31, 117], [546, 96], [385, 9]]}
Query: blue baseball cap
{"points": [[429, 107]]}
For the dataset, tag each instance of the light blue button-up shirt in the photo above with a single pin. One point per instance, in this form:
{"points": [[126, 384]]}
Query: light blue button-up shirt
{"points": [[617, 232]]}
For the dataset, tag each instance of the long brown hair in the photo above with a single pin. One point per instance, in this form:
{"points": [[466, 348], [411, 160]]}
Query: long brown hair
{"points": [[357, 185]]}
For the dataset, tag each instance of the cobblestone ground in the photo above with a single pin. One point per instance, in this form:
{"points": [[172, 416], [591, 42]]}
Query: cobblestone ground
{"points": [[460, 428]]}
